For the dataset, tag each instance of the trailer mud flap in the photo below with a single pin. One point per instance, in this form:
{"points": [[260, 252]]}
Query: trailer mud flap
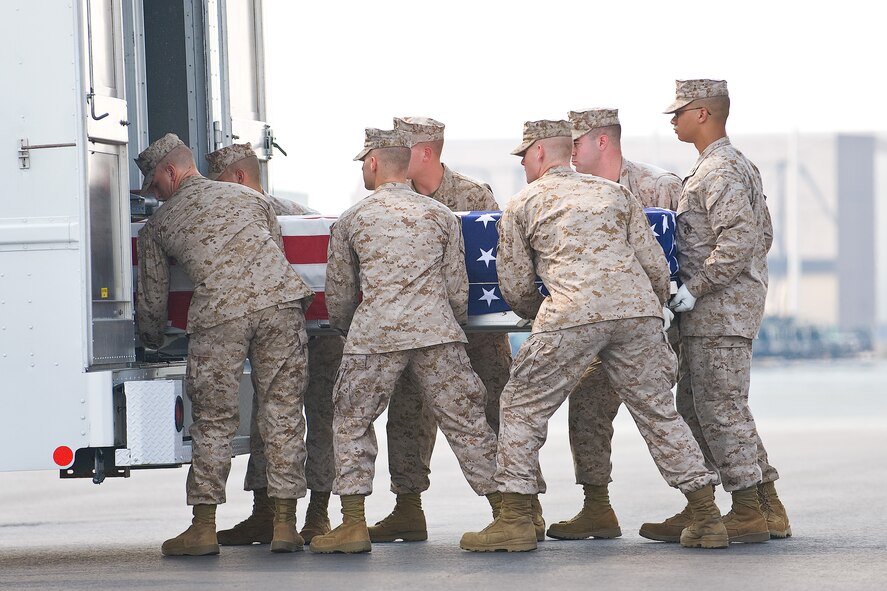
{"points": [[97, 463]]}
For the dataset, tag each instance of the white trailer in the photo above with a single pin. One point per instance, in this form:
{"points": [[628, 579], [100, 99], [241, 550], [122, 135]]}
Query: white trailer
{"points": [[89, 84]]}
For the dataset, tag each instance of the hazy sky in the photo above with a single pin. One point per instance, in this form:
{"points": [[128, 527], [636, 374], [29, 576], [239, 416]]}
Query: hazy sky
{"points": [[484, 67]]}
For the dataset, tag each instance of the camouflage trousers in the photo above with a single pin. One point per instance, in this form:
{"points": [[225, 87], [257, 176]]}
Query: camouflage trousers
{"points": [[449, 387], [593, 405], [324, 356], [274, 340], [715, 406], [641, 367], [411, 426]]}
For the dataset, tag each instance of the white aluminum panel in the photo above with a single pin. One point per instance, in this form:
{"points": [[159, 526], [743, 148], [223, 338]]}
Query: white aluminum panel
{"points": [[43, 390], [42, 105]]}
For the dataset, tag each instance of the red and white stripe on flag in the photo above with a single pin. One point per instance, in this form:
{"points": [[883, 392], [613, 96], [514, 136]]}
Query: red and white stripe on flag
{"points": [[305, 242]]}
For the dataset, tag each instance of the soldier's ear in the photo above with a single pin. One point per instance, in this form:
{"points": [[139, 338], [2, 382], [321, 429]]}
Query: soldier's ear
{"points": [[602, 141]]}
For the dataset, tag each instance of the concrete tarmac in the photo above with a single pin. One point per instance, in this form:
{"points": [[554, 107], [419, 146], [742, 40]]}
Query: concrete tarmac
{"points": [[828, 440]]}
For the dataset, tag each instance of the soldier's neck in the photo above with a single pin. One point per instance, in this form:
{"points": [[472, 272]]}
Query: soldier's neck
{"points": [[429, 181], [611, 168], [389, 179]]}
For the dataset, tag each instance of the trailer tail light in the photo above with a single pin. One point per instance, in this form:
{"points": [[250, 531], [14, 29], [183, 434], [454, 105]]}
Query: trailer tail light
{"points": [[180, 414], [63, 456]]}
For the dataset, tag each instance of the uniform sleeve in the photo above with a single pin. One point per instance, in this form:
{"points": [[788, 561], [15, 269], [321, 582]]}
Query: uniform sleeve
{"points": [[153, 289], [287, 207], [456, 275], [514, 264], [273, 224], [647, 251], [768, 226], [668, 192], [342, 279], [487, 200], [732, 220]]}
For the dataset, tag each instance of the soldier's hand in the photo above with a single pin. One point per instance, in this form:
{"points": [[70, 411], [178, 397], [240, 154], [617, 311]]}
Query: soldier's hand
{"points": [[667, 317], [168, 339], [683, 301]]}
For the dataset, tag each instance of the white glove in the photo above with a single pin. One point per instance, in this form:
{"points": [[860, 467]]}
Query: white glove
{"points": [[667, 317], [683, 301]]}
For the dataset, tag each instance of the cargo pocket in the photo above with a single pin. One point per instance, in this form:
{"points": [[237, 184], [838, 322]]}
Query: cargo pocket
{"points": [[350, 369], [463, 356], [726, 364], [539, 350], [193, 374]]}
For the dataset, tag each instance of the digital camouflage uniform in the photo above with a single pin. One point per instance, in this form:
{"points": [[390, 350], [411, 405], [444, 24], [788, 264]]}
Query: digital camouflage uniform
{"points": [[247, 303], [589, 241], [723, 235], [593, 404], [405, 253], [324, 356], [411, 427]]}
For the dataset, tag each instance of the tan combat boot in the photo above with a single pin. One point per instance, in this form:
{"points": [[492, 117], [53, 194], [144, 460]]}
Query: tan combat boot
{"points": [[285, 538], [777, 520], [511, 531], [350, 537], [596, 519], [317, 519], [668, 530], [746, 522], [538, 520], [406, 522], [197, 540], [495, 499], [257, 528], [706, 530]]}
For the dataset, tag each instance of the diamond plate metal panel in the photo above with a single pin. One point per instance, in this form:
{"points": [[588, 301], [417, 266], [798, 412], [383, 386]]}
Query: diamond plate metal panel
{"points": [[151, 435]]}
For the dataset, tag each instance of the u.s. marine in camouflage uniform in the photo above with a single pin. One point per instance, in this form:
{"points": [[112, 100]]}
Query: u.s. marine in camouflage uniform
{"points": [[239, 164], [247, 303], [404, 252], [593, 404], [723, 235], [411, 427], [589, 241]]}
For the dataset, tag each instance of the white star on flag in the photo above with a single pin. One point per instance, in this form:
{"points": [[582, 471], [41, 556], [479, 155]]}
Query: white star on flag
{"points": [[486, 256], [486, 218], [489, 296], [664, 223]]}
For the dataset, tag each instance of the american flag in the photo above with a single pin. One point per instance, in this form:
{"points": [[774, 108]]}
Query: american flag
{"points": [[662, 223], [305, 242], [482, 240], [306, 238]]}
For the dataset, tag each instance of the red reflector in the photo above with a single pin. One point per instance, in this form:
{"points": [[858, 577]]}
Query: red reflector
{"points": [[63, 455], [179, 414]]}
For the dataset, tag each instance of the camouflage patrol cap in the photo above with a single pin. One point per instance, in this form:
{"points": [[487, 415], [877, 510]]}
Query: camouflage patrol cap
{"points": [[153, 154], [382, 138], [420, 129], [225, 157], [539, 130], [687, 91], [585, 121]]}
